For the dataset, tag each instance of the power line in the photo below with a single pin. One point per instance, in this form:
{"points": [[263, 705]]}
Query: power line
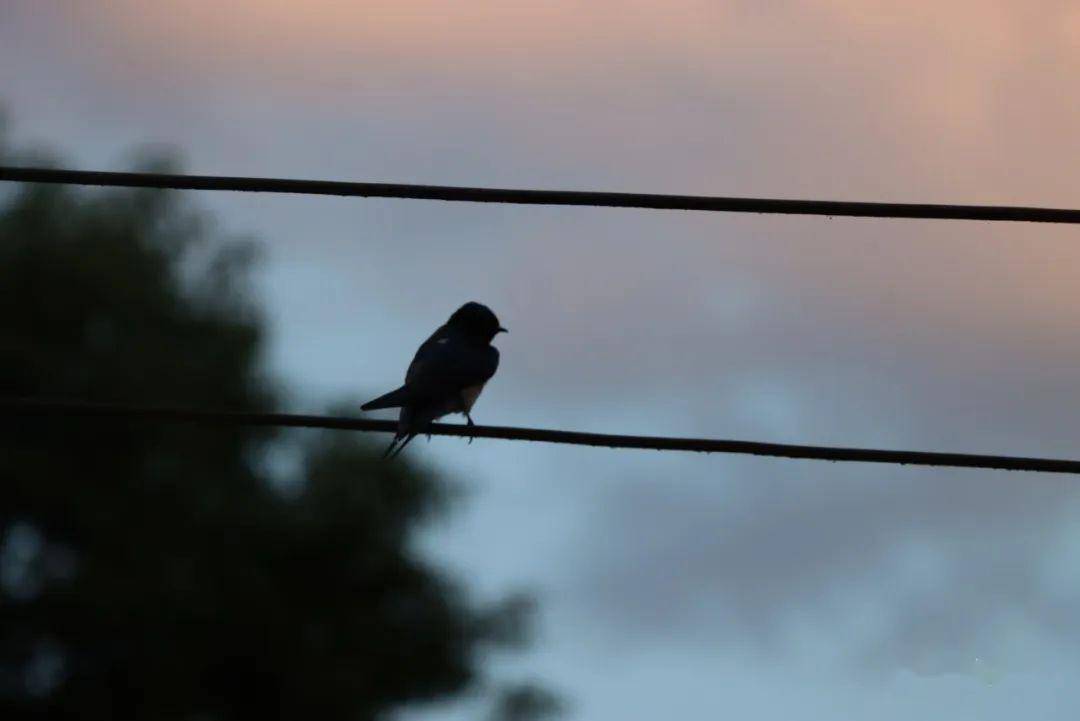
{"points": [[544, 197], [67, 409]]}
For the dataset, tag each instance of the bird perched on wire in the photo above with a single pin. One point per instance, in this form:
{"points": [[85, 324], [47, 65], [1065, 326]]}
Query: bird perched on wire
{"points": [[446, 375]]}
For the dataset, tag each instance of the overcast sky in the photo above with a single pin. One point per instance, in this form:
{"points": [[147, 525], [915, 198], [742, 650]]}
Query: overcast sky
{"points": [[672, 586]]}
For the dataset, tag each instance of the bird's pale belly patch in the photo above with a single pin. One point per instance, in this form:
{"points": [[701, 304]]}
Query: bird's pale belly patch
{"points": [[469, 396]]}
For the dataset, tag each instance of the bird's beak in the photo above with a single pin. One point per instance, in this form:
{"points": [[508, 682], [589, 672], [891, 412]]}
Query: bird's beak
{"points": [[501, 330]]}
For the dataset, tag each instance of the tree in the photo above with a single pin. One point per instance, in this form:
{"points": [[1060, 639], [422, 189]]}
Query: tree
{"points": [[167, 571], [527, 702]]}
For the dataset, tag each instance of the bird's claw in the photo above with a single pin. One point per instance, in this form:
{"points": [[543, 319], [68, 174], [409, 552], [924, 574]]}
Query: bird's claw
{"points": [[469, 422]]}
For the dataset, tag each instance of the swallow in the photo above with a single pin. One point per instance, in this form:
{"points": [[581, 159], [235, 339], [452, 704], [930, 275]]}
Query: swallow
{"points": [[446, 375]]}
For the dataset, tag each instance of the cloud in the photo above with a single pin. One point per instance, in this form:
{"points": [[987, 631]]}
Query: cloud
{"points": [[892, 568]]}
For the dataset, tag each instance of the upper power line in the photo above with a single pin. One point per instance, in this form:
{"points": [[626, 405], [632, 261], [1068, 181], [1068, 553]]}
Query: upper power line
{"points": [[23, 407], [545, 197]]}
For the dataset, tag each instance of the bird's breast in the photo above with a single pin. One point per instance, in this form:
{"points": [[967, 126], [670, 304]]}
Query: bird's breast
{"points": [[469, 396]]}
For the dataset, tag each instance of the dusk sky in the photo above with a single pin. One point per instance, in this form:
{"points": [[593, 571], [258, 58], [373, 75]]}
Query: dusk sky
{"points": [[670, 585]]}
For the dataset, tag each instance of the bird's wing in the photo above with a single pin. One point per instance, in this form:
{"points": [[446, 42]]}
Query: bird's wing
{"points": [[394, 399], [417, 369], [425, 353], [445, 365]]}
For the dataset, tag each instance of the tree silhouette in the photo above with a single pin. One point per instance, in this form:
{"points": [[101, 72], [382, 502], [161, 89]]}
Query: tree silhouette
{"points": [[170, 571]]}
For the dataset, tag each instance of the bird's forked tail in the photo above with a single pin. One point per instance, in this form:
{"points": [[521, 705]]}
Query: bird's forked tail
{"points": [[397, 446]]}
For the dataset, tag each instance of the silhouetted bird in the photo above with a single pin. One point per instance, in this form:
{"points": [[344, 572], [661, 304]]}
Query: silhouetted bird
{"points": [[446, 375]]}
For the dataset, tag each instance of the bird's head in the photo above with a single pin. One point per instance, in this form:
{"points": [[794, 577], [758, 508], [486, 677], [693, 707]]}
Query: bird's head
{"points": [[476, 321]]}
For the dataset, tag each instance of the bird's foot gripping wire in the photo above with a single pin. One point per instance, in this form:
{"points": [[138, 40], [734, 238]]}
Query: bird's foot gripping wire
{"points": [[469, 422]]}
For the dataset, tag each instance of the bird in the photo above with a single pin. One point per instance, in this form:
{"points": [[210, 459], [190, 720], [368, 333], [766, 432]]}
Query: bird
{"points": [[446, 375]]}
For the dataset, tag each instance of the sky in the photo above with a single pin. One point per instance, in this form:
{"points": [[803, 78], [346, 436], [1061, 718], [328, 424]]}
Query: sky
{"points": [[695, 585]]}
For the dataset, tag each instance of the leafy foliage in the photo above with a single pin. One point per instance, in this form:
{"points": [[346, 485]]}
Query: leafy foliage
{"points": [[160, 571]]}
